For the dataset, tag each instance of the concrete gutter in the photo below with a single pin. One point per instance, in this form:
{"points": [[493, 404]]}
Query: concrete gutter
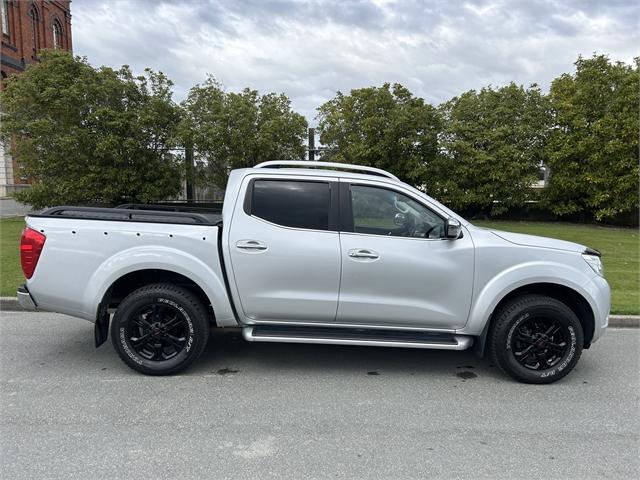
{"points": [[10, 304]]}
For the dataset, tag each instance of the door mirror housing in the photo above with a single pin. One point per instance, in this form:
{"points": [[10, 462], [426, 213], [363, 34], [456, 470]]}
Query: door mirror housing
{"points": [[399, 220], [452, 229]]}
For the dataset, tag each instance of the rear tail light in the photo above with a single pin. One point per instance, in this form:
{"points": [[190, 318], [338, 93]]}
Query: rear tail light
{"points": [[31, 244]]}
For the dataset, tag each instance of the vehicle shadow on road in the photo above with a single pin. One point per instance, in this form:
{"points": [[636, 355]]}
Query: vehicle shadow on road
{"points": [[228, 353]]}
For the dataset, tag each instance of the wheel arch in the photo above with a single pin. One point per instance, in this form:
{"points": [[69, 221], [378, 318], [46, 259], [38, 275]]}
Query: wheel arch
{"points": [[136, 279], [152, 264], [567, 295]]}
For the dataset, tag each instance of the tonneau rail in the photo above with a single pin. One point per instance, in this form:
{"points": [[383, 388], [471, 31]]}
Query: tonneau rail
{"points": [[130, 215], [200, 207]]}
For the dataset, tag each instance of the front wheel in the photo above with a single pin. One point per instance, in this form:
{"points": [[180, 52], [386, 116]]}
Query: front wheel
{"points": [[536, 339], [160, 329]]}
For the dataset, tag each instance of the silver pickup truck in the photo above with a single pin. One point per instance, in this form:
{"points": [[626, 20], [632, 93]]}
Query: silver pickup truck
{"points": [[315, 253]]}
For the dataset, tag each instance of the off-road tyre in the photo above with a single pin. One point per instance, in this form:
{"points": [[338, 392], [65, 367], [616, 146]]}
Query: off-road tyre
{"points": [[160, 329], [536, 339]]}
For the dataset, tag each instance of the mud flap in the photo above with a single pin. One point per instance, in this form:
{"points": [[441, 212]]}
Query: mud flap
{"points": [[101, 329], [479, 344]]}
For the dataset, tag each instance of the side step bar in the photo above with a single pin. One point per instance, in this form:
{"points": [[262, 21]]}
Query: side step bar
{"points": [[356, 336]]}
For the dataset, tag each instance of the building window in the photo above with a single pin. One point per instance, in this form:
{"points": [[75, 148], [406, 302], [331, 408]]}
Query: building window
{"points": [[57, 34], [35, 37], [4, 10]]}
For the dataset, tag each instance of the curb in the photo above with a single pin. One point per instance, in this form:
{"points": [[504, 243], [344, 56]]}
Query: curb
{"points": [[10, 304], [624, 321]]}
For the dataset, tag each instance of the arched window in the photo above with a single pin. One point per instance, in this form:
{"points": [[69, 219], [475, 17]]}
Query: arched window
{"points": [[4, 10], [35, 36], [57, 34]]}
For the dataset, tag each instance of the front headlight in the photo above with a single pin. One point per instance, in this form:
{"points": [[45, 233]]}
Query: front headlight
{"points": [[594, 262]]}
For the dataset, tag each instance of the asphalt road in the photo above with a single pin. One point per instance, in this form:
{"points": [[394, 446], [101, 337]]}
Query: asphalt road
{"points": [[294, 411]]}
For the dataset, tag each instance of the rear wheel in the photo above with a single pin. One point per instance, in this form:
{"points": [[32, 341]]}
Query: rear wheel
{"points": [[536, 339], [160, 329]]}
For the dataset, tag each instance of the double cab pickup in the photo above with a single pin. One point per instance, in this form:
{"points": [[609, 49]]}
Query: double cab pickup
{"points": [[315, 252]]}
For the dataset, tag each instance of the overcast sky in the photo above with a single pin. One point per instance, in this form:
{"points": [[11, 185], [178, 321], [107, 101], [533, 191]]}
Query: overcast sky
{"points": [[311, 49]]}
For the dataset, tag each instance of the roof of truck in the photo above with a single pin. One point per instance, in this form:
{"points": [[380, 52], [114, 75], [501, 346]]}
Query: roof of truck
{"points": [[308, 168], [321, 172], [332, 168]]}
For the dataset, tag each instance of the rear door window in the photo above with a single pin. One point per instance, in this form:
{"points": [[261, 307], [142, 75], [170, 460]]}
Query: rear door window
{"points": [[291, 203]]}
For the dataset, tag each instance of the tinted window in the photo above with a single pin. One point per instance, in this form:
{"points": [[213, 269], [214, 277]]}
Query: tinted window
{"points": [[292, 204], [378, 211]]}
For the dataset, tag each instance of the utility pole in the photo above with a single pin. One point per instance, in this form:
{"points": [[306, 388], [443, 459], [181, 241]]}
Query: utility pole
{"points": [[312, 144], [188, 161]]}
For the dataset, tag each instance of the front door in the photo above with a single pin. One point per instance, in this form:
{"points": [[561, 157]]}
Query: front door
{"points": [[397, 267], [285, 249]]}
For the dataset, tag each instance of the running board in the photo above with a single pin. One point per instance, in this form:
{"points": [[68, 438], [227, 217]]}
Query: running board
{"points": [[356, 336]]}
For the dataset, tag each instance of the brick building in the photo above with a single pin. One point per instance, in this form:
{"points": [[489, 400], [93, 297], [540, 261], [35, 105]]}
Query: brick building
{"points": [[28, 26]]}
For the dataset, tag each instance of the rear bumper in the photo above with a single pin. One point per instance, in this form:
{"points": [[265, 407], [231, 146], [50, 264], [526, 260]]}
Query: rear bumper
{"points": [[25, 299]]}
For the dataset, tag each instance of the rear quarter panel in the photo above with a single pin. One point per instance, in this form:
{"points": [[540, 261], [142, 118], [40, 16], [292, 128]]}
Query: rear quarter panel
{"points": [[81, 259]]}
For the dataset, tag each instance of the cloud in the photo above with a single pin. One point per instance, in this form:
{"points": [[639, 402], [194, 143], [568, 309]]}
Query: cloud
{"points": [[311, 49]]}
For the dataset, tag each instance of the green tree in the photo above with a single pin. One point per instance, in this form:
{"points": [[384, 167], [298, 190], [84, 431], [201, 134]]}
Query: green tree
{"points": [[492, 146], [237, 130], [593, 149], [384, 127], [86, 135]]}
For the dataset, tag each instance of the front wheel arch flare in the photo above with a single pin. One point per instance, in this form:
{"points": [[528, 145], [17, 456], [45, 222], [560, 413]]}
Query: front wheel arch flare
{"points": [[574, 300]]}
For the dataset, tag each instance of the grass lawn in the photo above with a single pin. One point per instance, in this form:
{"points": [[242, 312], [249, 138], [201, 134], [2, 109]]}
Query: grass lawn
{"points": [[620, 249], [10, 272]]}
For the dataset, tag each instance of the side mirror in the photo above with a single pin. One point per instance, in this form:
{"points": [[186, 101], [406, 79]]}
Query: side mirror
{"points": [[452, 228], [399, 220]]}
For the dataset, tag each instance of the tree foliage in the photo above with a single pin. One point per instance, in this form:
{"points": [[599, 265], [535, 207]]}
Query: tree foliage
{"points": [[235, 130], [86, 135], [384, 127], [491, 148], [593, 147]]}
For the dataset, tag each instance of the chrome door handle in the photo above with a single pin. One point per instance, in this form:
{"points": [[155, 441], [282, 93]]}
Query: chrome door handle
{"points": [[251, 245], [362, 253]]}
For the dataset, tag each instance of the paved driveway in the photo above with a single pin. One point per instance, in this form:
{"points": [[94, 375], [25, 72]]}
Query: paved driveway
{"points": [[295, 411]]}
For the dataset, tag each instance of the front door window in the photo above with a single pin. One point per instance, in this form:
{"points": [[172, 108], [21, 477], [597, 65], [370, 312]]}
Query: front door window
{"points": [[379, 211]]}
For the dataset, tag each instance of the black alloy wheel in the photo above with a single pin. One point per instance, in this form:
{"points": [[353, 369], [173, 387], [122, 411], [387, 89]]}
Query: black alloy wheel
{"points": [[540, 343], [158, 331]]}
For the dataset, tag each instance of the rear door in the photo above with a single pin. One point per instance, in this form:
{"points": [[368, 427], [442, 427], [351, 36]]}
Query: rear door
{"points": [[284, 247], [397, 267]]}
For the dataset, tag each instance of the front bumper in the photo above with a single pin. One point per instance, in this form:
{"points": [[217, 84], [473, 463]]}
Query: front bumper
{"points": [[600, 292], [25, 299]]}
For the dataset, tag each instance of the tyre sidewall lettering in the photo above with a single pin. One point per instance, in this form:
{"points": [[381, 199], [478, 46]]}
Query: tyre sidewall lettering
{"points": [[513, 328], [125, 347], [186, 316], [572, 350], [567, 360]]}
